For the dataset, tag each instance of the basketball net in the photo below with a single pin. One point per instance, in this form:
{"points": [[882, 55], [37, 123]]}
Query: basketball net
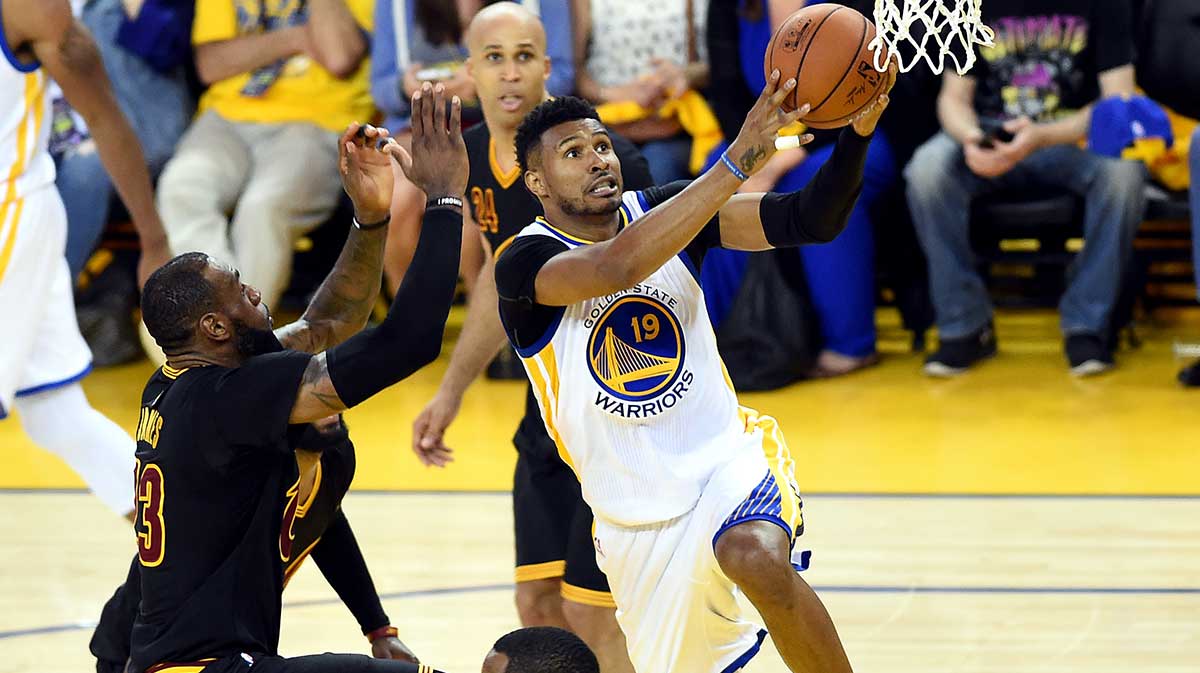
{"points": [[931, 29]]}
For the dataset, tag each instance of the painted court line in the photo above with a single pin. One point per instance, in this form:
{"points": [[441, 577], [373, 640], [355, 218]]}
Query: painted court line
{"points": [[850, 589]]}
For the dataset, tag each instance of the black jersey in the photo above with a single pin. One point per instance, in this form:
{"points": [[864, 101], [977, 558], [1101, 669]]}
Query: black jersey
{"points": [[502, 207], [216, 496]]}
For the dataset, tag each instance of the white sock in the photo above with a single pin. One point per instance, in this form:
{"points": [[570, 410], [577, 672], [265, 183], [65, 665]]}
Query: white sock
{"points": [[63, 422]]}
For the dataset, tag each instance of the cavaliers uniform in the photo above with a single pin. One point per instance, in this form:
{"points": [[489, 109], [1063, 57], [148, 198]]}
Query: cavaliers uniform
{"points": [[553, 526], [636, 398], [218, 515]]}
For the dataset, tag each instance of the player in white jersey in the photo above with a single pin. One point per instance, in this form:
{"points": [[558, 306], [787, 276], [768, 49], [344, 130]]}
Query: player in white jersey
{"points": [[43, 355], [694, 496]]}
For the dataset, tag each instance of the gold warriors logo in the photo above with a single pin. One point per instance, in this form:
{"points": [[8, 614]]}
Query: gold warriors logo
{"points": [[636, 355]]}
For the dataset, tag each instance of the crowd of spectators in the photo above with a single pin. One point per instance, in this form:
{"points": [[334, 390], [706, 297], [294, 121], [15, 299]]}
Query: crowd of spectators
{"points": [[238, 104]]}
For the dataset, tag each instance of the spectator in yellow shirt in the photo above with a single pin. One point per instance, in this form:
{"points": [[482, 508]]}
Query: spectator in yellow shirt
{"points": [[258, 166]]}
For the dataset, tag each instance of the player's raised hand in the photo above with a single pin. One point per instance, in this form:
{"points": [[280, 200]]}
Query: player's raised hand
{"points": [[429, 430], [391, 647], [438, 163], [864, 123], [755, 143], [366, 171]]}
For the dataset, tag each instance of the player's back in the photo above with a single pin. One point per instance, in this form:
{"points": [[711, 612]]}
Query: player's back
{"points": [[24, 128], [216, 492]]}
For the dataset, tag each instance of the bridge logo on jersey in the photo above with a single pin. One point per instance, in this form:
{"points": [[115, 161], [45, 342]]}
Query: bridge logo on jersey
{"points": [[636, 355]]}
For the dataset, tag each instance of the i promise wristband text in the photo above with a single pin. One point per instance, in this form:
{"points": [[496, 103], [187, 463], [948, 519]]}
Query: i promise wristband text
{"points": [[382, 632], [445, 202]]}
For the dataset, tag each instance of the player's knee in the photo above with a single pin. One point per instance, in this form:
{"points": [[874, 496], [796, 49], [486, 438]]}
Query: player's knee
{"points": [[538, 603], [756, 556]]}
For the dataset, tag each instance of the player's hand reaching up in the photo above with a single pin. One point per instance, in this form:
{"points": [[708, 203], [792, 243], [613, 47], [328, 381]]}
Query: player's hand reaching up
{"points": [[864, 123], [366, 171], [755, 143], [438, 163]]}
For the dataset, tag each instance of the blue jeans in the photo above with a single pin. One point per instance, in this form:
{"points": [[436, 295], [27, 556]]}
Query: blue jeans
{"points": [[158, 108], [940, 190], [668, 158], [1194, 201]]}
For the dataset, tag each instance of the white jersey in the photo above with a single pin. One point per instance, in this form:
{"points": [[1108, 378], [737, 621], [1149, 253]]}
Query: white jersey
{"points": [[24, 131], [634, 392]]}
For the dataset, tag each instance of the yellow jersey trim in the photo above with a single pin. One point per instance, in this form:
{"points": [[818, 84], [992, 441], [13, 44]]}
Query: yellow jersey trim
{"points": [[540, 571], [503, 247], [596, 599], [299, 560], [173, 373], [35, 93], [506, 180], [542, 221]]}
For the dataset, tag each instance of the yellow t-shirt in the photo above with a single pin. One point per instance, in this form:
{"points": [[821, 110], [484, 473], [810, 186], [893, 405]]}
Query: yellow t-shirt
{"points": [[302, 91]]}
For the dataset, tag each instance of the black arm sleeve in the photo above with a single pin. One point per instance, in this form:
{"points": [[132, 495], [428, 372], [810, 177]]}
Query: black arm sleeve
{"points": [[110, 641], [343, 565], [410, 337], [818, 212]]}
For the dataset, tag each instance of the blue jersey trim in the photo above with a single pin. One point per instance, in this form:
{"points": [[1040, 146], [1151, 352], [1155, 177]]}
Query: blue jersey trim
{"points": [[537, 347], [641, 197], [56, 384], [741, 661], [691, 267], [12, 58], [3, 412], [773, 518]]}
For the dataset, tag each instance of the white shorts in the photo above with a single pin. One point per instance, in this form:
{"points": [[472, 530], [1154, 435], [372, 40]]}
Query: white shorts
{"points": [[678, 610], [40, 344]]}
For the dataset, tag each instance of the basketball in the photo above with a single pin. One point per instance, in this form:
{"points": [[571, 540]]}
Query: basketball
{"points": [[825, 48]]}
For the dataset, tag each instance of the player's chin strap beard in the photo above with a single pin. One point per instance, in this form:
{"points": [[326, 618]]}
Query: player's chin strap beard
{"points": [[252, 341]]}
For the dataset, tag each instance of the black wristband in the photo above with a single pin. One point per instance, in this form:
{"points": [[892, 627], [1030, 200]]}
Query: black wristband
{"points": [[444, 202], [373, 225]]}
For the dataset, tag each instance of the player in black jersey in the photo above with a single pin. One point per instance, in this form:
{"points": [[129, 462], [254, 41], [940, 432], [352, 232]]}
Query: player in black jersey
{"points": [[326, 460], [218, 488], [558, 582]]}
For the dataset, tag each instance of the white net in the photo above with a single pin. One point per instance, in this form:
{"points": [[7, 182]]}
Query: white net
{"points": [[935, 30]]}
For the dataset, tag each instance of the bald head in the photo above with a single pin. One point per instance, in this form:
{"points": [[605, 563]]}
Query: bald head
{"points": [[507, 18]]}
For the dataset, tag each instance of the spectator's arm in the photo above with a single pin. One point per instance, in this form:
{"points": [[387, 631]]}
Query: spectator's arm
{"points": [[560, 46], [956, 109], [71, 57], [1118, 81], [337, 41], [386, 76], [223, 59], [581, 15]]}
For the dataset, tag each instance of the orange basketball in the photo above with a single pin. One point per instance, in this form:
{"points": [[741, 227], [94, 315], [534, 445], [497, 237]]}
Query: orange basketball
{"points": [[825, 48]]}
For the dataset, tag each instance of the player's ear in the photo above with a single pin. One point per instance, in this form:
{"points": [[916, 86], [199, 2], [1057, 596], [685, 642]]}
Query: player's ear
{"points": [[533, 182], [215, 327]]}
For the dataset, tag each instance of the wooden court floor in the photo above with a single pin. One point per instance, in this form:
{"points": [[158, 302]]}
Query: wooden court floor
{"points": [[1013, 520]]}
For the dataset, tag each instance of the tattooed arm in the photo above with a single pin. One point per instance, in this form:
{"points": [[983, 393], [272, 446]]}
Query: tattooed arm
{"points": [[639, 250], [48, 31], [343, 303]]}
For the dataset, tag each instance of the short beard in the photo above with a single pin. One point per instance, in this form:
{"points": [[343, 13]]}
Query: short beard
{"points": [[252, 341], [581, 209]]}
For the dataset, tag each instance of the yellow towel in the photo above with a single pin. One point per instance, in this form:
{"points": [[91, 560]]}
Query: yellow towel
{"points": [[1167, 165], [690, 109]]}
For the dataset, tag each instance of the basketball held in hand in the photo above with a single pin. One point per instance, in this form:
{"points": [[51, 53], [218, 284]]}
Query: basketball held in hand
{"points": [[825, 48]]}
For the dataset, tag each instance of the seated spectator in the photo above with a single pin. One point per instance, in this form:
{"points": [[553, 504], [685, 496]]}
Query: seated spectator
{"points": [[1037, 84], [156, 102], [648, 53], [840, 275], [284, 80], [422, 40]]}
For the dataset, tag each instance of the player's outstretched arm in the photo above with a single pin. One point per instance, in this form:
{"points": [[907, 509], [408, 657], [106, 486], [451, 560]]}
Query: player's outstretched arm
{"points": [[343, 303], [410, 337], [638, 251], [481, 338], [818, 212], [71, 57]]}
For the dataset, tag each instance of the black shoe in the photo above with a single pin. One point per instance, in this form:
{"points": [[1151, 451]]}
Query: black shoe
{"points": [[1088, 354], [1190, 376], [955, 356]]}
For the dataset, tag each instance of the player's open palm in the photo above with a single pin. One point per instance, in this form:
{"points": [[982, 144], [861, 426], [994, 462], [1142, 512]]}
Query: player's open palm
{"points": [[366, 171], [429, 430], [438, 162], [755, 143]]}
